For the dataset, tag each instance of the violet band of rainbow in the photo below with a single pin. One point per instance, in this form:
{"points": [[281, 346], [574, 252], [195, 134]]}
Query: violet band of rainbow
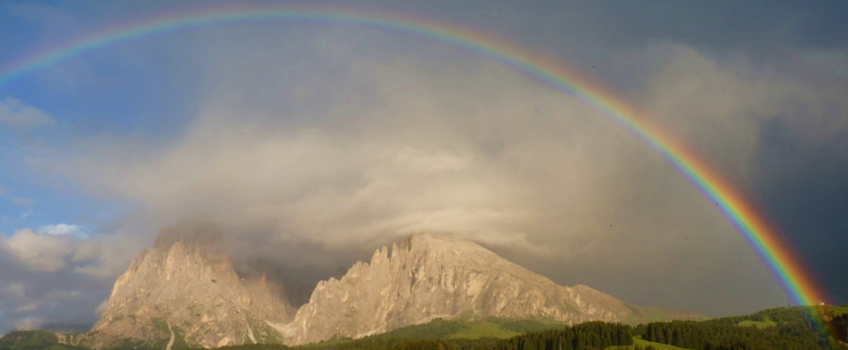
{"points": [[786, 267]]}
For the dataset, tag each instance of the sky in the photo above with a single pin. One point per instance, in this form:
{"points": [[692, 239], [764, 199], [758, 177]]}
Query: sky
{"points": [[313, 143]]}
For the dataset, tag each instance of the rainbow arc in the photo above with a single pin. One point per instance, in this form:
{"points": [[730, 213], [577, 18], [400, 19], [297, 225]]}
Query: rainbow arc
{"points": [[763, 239]]}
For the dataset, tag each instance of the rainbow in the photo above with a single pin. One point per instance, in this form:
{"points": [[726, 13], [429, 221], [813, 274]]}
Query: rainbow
{"points": [[763, 239]]}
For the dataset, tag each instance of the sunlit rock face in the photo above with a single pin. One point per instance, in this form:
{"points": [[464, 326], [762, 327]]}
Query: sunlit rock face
{"points": [[430, 276], [185, 291]]}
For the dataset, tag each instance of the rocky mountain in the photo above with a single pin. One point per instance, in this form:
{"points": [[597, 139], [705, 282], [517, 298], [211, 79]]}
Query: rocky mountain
{"points": [[431, 276], [185, 291]]}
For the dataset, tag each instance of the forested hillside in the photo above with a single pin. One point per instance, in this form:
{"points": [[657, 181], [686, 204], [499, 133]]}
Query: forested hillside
{"points": [[795, 328], [591, 335]]}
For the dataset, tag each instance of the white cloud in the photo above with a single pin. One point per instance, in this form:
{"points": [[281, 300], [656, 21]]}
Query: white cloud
{"points": [[15, 113], [38, 252], [60, 230], [56, 247]]}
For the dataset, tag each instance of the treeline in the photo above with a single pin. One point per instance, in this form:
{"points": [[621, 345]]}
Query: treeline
{"points": [[585, 336], [793, 329], [725, 336], [804, 315], [781, 329], [591, 335]]}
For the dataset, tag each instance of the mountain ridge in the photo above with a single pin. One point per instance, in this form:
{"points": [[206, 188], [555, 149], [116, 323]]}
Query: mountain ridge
{"points": [[430, 276], [184, 292], [185, 289]]}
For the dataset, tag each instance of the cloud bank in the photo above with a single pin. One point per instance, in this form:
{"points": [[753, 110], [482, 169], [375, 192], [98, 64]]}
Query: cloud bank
{"points": [[322, 144], [37, 252], [49, 278]]}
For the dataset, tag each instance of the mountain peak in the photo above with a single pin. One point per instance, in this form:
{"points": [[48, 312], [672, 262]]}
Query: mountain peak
{"points": [[427, 276], [185, 290]]}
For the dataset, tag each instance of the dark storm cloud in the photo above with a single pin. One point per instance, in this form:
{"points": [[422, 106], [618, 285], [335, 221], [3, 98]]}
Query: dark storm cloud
{"points": [[804, 192]]}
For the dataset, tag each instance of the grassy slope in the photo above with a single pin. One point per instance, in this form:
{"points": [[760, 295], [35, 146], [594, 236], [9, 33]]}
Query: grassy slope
{"points": [[648, 314], [759, 324], [644, 343], [483, 329]]}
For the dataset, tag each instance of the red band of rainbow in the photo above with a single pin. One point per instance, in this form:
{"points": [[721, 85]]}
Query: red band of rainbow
{"points": [[765, 241]]}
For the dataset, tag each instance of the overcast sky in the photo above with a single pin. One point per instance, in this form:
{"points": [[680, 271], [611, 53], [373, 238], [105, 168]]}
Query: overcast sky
{"points": [[313, 143]]}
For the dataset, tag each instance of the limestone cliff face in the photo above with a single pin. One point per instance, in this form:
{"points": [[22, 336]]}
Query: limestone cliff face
{"points": [[184, 291], [430, 276]]}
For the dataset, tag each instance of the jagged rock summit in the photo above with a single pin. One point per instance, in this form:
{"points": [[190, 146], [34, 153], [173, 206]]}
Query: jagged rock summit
{"points": [[430, 276], [185, 291]]}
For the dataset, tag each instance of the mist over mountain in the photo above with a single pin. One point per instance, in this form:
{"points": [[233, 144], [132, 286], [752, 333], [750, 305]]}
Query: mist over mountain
{"points": [[186, 288], [185, 292], [435, 276]]}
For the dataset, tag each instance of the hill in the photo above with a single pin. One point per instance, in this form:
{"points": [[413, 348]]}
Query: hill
{"points": [[34, 340]]}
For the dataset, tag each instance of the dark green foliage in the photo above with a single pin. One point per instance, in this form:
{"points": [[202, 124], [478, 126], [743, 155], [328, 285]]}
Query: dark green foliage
{"points": [[580, 337], [526, 326], [723, 336], [583, 336], [592, 335], [796, 315], [793, 328]]}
